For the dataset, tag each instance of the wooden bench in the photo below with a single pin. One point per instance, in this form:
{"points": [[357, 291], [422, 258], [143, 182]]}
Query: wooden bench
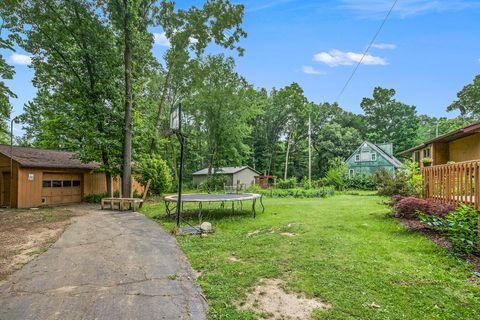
{"points": [[121, 203]]}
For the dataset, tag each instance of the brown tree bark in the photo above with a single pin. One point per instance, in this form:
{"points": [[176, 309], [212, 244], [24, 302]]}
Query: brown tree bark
{"points": [[285, 173], [127, 144]]}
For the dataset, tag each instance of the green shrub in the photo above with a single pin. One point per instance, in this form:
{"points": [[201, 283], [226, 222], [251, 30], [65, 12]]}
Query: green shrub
{"points": [[215, 182], [459, 226], [336, 175], [298, 192], [155, 169], [405, 182], [94, 198], [287, 183], [361, 181]]}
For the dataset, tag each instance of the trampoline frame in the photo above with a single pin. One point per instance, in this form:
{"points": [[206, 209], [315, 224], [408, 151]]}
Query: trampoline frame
{"points": [[210, 198]]}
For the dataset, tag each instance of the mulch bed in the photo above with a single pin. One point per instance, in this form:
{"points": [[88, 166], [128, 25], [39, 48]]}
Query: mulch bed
{"points": [[438, 238]]}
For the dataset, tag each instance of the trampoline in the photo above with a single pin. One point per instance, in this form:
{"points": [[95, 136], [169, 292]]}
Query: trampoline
{"points": [[201, 198]]}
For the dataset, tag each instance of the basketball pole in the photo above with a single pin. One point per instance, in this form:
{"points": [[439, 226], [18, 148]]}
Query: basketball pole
{"points": [[181, 139]]}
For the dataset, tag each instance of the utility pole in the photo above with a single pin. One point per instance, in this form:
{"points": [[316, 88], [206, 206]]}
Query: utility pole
{"points": [[309, 152]]}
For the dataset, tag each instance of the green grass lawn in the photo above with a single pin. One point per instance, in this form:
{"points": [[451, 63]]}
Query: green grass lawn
{"points": [[345, 252]]}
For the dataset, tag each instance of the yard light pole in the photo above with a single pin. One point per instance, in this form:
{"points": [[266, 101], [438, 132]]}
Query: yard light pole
{"points": [[17, 121], [176, 128]]}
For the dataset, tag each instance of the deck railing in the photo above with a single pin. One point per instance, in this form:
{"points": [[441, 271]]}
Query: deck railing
{"points": [[453, 183]]}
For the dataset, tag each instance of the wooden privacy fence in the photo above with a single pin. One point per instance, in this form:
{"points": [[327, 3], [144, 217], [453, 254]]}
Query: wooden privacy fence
{"points": [[453, 183]]}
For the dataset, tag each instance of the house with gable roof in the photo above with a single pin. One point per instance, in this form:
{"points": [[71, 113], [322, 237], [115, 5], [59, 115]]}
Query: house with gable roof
{"points": [[370, 157]]}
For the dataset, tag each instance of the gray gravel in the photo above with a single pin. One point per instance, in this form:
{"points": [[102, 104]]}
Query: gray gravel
{"points": [[107, 265]]}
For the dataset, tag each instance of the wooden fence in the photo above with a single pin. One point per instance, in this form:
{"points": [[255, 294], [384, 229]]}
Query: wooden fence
{"points": [[453, 183]]}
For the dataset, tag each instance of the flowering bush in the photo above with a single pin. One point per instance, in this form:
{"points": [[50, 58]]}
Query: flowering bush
{"points": [[410, 206]]}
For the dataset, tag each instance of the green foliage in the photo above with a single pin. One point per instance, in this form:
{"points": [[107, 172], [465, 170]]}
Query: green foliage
{"points": [[333, 140], [391, 185], [155, 169], [336, 175], [320, 192], [289, 183], [388, 120], [407, 181], [468, 100], [94, 198], [215, 182], [459, 226], [361, 181]]}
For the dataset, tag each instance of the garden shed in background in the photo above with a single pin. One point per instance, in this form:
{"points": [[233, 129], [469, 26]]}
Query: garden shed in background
{"points": [[239, 176]]}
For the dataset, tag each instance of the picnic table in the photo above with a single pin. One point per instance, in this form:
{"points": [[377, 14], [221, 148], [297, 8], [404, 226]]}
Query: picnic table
{"points": [[121, 203]]}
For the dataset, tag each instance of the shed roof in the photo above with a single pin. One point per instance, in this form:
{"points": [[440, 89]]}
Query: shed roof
{"points": [[447, 137], [224, 170], [44, 158]]}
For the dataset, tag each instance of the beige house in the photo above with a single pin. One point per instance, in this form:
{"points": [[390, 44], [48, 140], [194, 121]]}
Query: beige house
{"points": [[456, 146], [244, 176]]}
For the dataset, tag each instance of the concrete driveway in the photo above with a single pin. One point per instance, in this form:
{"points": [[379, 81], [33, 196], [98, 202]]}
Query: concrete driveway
{"points": [[107, 265]]}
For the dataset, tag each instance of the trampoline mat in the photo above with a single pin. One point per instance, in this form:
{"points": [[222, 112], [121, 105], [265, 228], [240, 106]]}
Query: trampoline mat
{"points": [[202, 197]]}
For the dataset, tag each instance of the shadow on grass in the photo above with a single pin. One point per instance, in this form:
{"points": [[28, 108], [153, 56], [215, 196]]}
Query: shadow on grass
{"points": [[192, 215]]}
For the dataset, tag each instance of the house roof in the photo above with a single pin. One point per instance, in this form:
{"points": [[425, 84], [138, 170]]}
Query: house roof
{"points": [[224, 170], [390, 158], [44, 158], [447, 137]]}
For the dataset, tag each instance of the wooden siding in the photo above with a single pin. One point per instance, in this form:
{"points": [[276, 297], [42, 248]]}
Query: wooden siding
{"points": [[453, 183], [460, 150], [465, 149]]}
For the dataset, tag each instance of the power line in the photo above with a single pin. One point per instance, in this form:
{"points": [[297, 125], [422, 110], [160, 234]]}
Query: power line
{"points": [[366, 50]]}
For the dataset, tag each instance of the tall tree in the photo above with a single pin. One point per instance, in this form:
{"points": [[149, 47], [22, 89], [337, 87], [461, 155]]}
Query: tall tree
{"points": [[468, 100], [77, 71], [189, 32], [6, 73], [388, 120], [221, 109], [131, 18]]}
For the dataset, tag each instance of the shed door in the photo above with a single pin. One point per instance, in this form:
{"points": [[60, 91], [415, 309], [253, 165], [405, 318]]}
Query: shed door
{"points": [[59, 188]]}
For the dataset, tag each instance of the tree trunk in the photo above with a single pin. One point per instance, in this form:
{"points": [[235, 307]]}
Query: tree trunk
{"points": [[285, 174], [108, 178], [158, 121], [127, 144]]}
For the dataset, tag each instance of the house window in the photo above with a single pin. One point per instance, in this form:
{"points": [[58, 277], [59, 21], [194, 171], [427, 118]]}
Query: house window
{"points": [[67, 183], [426, 153], [357, 157], [351, 172], [416, 156], [57, 183], [374, 157], [46, 183], [76, 183]]}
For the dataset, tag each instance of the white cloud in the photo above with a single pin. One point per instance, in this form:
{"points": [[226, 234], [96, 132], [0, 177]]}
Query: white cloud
{"points": [[21, 59], [161, 39], [390, 46], [335, 58], [405, 8], [312, 70]]}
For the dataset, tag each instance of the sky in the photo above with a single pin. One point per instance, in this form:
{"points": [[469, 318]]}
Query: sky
{"points": [[427, 50]]}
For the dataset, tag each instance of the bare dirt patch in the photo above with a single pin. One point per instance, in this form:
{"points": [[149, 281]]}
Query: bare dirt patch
{"points": [[24, 234], [270, 301]]}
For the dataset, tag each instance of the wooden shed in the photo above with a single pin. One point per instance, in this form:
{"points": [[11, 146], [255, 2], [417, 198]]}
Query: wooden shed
{"points": [[48, 177]]}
